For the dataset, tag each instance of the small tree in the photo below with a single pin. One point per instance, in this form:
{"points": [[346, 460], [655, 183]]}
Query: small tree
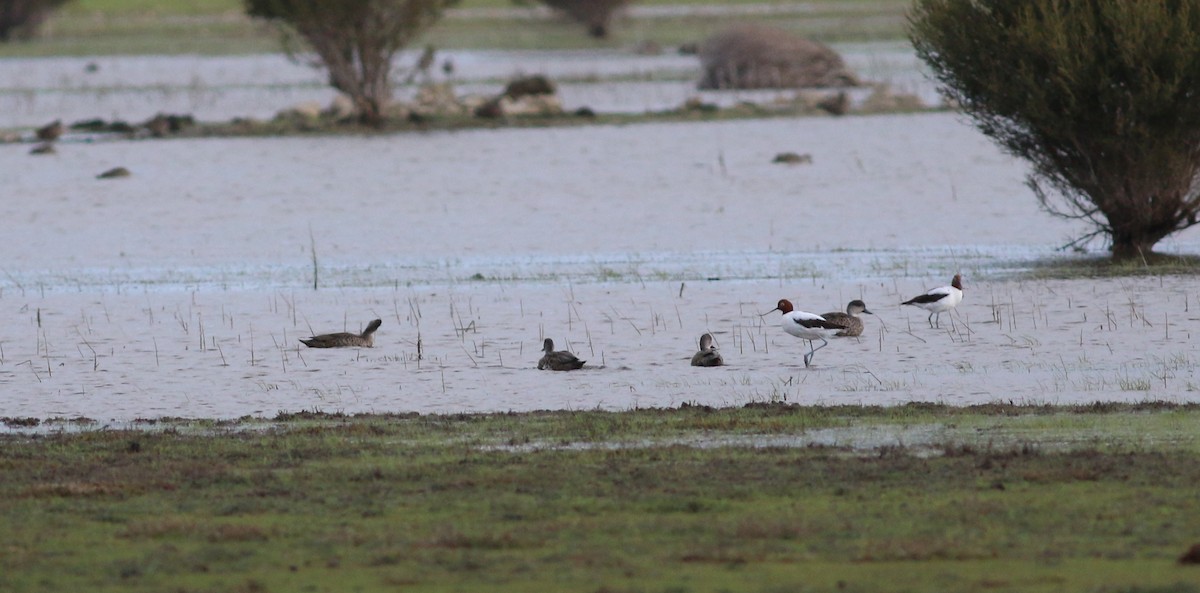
{"points": [[1102, 97], [355, 40], [596, 15], [20, 19]]}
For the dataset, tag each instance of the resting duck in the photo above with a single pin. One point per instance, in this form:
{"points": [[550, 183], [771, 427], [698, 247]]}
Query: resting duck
{"points": [[558, 361], [51, 131], [849, 320], [346, 339], [708, 355]]}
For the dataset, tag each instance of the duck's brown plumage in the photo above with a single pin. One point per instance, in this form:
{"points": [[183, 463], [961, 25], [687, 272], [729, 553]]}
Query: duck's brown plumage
{"points": [[708, 355], [560, 360], [51, 131], [850, 319], [346, 339]]}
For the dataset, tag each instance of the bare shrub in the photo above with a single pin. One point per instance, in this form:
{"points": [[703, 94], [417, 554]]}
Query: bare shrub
{"points": [[596, 15], [759, 56], [355, 40], [20, 19], [1099, 96]]}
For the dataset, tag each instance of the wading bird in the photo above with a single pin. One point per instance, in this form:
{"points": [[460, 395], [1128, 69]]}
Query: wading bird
{"points": [[939, 300], [806, 326]]}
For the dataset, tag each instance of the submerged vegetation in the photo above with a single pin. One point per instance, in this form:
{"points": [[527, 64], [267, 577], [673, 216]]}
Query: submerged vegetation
{"points": [[1001, 498]]}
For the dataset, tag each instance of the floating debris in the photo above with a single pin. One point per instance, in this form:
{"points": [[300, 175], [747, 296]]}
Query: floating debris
{"points": [[114, 173]]}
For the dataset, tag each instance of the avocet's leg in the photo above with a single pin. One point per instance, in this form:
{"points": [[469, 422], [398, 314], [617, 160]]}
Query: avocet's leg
{"points": [[808, 357], [824, 343], [931, 320]]}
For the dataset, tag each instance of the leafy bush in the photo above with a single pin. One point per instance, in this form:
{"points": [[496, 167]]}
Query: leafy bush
{"points": [[20, 19], [355, 40], [1101, 96]]}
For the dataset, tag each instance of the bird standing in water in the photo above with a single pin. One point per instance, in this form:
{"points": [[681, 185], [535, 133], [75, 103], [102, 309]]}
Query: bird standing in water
{"points": [[806, 326], [939, 300]]}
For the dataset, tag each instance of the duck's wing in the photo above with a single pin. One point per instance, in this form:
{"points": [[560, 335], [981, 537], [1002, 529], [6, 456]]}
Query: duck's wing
{"points": [[563, 360], [331, 340], [838, 318], [707, 358]]}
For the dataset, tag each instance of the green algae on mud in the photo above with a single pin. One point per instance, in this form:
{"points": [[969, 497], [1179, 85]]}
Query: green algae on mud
{"points": [[332, 502]]}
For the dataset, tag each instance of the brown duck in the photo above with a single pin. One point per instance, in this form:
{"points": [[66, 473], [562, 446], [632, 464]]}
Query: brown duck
{"points": [[51, 131], [850, 319], [708, 355], [346, 339], [558, 361]]}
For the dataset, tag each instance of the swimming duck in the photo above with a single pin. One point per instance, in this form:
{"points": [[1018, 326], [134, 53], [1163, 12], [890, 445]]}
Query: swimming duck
{"points": [[558, 361], [51, 131], [939, 300], [345, 339], [708, 355], [850, 320], [806, 326]]}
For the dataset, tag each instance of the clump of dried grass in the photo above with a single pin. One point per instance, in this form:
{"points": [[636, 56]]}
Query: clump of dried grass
{"points": [[758, 56]]}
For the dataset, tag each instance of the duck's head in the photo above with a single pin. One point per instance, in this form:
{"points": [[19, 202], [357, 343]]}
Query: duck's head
{"points": [[857, 306]]}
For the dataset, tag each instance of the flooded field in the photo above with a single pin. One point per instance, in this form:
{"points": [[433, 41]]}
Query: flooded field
{"points": [[183, 289], [134, 88]]}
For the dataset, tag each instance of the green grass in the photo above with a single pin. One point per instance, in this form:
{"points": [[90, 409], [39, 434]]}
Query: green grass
{"points": [[1010, 501], [98, 27], [1154, 264]]}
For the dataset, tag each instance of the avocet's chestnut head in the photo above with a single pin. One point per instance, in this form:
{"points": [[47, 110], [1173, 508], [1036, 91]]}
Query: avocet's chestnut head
{"points": [[784, 306], [957, 281]]}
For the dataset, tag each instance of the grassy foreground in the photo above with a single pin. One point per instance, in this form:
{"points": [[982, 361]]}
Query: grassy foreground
{"points": [[765, 498]]}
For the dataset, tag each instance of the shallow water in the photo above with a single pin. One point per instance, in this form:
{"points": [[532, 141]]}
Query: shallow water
{"points": [[34, 91], [182, 290], [213, 353]]}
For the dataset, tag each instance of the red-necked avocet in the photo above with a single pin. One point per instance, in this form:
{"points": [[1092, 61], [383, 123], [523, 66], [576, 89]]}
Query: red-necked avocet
{"points": [[939, 300], [345, 339], [558, 361], [708, 355], [806, 326], [852, 324]]}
